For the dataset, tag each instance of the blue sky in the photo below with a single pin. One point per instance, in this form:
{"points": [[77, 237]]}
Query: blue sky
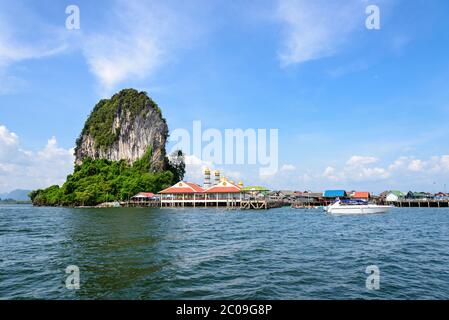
{"points": [[355, 108]]}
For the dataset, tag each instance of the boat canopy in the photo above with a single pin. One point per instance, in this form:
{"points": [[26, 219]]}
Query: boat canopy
{"points": [[354, 201]]}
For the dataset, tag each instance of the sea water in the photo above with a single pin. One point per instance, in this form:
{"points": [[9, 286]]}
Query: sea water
{"points": [[143, 253]]}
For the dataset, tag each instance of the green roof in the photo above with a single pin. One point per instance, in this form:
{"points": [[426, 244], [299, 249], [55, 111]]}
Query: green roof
{"points": [[397, 193], [420, 194], [255, 188]]}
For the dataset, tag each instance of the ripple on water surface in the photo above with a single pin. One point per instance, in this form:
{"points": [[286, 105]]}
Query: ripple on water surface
{"points": [[130, 253]]}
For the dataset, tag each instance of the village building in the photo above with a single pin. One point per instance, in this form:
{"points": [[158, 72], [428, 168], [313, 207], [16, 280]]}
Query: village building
{"points": [[144, 199], [441, 196], [145, 196], [419, 196], [394, 196], [182, 193], [219, 193]]}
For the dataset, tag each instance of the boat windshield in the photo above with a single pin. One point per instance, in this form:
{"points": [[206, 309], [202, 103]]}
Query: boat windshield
{"points": [[354, 202]]}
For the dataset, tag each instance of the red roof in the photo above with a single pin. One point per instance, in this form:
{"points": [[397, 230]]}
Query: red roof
{"points": [[184, 187], [361, 195], [144, 195], [188, 187], [224, 187], [196, 187], [222, 190]]}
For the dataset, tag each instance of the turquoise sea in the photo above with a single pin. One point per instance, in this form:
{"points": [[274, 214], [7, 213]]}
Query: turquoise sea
{"points": [[132, 253]]}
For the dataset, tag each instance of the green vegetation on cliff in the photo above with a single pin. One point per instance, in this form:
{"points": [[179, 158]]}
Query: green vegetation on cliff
{"points": [[100, 121], [97, 181]]}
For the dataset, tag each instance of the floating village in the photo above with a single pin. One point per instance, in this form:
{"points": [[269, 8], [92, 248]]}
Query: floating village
{"points": [[220, 192]]}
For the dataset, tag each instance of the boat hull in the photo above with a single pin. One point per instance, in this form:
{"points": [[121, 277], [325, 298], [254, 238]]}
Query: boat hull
{"points": [[342, 210]]}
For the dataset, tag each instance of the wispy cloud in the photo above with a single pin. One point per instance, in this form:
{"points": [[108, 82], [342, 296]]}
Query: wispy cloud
{"points": [[360, 160], [12, 51], [352, 67], [316, 29], [135, 39], [30, 39], [10, 84], [288, 168], [140, 37]]}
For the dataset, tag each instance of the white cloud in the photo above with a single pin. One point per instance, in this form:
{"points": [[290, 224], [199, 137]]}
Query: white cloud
{"points": [[442, 163], [434, 165], [141, 37], [288, 167], [232, 175], [437, 164], [316, 29], [398, 164], [360, 160], [195, 168], [29, 170], [415, 165], [329, 172], [366, 174], [357, 168], [7, 138], [113, 60], [403, 170], [360, 168], [9, 147]]}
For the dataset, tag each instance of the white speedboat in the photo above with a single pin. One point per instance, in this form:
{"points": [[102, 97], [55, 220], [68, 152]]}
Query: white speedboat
{"points": [[355, 207]]}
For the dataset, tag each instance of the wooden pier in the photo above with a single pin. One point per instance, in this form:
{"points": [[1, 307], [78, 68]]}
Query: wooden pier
{"points": [[259, 205], [141, 204], [416, 203], [237, 203], [244, 204], [248, 204]]}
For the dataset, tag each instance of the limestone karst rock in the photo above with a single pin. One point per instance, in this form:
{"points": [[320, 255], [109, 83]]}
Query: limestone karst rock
{"points": [[124, 127]]}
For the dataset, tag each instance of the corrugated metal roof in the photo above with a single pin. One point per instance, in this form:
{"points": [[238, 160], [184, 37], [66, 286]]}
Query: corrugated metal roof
{"points": [[334, 193]]}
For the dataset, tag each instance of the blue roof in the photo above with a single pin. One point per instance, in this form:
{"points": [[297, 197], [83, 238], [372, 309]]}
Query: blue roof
{"points": [[334, 193]]}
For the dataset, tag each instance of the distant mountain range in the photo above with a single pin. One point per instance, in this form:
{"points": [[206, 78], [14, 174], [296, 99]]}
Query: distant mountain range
{"points": [[18, 195]]}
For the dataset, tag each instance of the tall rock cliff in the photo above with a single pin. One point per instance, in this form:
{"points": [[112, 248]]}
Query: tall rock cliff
{"points": [[124, 127]]}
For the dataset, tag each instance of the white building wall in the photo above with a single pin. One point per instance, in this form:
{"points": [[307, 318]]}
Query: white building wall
{"points": [[392, 197]]}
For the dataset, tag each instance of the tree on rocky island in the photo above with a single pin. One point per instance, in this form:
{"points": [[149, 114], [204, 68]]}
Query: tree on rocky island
{"points": [[177, 165]]}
